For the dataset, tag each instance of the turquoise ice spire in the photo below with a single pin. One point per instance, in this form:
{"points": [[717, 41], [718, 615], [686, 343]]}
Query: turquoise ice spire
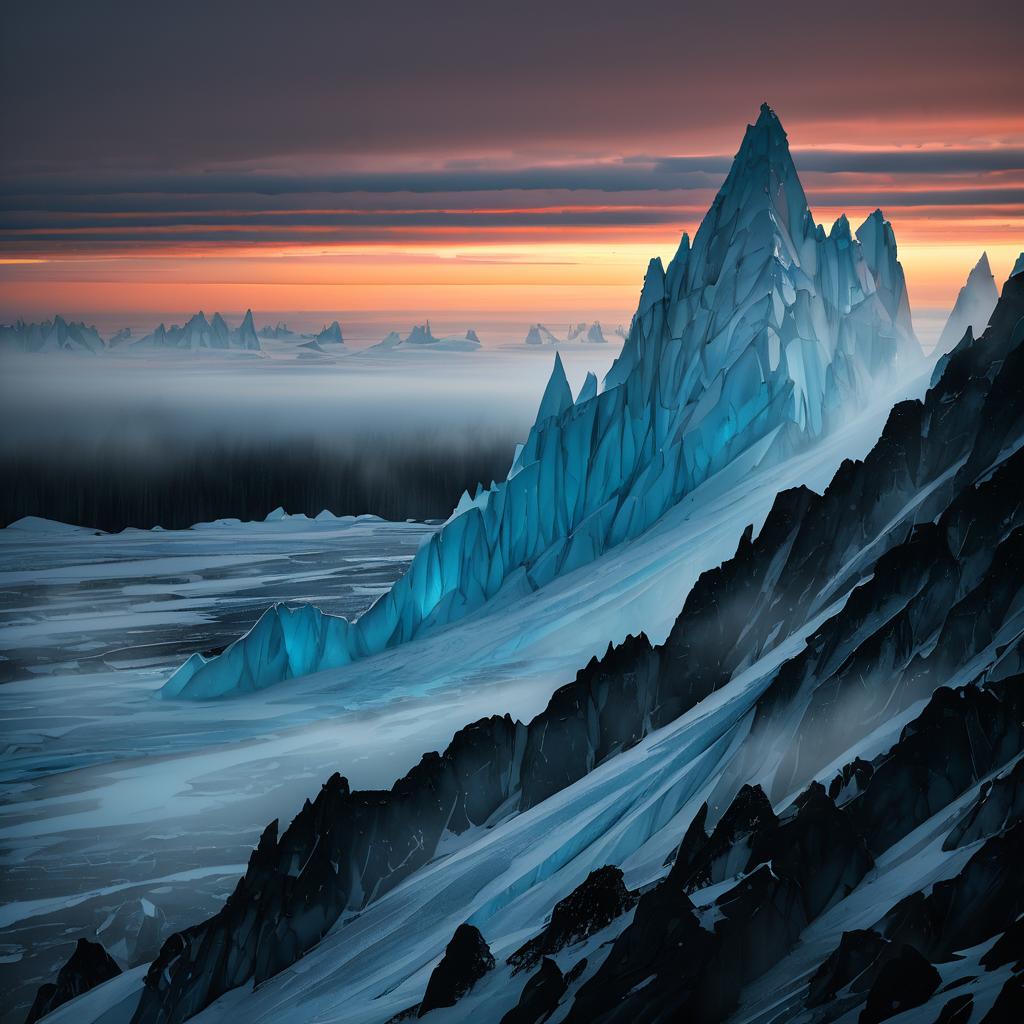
{"points": [[557, 395], [760, 337]]}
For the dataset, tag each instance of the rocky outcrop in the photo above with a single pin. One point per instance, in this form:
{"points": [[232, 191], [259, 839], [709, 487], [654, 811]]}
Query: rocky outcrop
{"points": [[88, 966], [704, 860], [141, 928], [958, 1010], [1008, 949], [466, 960], [1000, 804], [695, 959], [853, 965], [905, 981], [960, 737], [1009, 1005], [341, 850], [984, 899], [540, 996], [591, 906], [794, 866]]}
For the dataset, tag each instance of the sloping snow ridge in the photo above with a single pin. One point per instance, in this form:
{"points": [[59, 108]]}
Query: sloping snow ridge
{"points": [[765, 334]]}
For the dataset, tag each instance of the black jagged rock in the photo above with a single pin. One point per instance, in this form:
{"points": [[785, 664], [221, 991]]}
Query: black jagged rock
{"points": [[540, 996], [1009, 1005], [466, 960], [591, 906], [853, 964], [905, 981], [88, 966]]}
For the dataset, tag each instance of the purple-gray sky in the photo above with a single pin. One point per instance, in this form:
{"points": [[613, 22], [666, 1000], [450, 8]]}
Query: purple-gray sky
{"points": [[177, 128]]}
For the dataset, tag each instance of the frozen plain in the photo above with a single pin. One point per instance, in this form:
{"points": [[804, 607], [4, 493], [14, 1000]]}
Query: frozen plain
{"points": [[135, 797]]}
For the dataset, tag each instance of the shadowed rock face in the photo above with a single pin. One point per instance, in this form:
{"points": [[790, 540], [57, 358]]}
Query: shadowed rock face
{"points": [[702, 860], [342, 850], [541, 995], [924, 539], [1009, 1005], [1008, 950], [1000, 804], [795, 866], [855, 964], [983, 900], [466, 960], [791, 868], [88, 966], [906, 981], [957, 1011], [591, 906]]}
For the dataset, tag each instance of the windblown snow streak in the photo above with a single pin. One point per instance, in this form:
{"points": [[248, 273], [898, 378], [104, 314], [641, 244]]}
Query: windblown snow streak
{"points": [[760, 338]]}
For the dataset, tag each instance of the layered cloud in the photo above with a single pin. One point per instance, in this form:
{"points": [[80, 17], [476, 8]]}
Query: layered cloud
{"points": [[464, 134]]}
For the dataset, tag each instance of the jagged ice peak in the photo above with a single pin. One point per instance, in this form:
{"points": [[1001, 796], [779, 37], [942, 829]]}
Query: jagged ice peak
{"points": [[761, 336]]}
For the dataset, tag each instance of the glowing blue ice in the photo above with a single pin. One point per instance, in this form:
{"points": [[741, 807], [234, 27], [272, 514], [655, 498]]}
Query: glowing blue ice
{"points": [[767, 332]]}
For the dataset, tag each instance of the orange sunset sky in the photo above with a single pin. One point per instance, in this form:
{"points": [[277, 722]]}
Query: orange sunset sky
{"points": [[336, 160]]}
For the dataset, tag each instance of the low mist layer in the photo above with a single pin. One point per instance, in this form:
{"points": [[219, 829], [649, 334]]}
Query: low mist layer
{"points": [[175, 441]]}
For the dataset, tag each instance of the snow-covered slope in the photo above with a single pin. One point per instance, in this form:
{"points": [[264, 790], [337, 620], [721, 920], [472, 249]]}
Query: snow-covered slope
{"points": [[826, 750], [754, 343], [200, 333], [973, 306], [54, 335]]}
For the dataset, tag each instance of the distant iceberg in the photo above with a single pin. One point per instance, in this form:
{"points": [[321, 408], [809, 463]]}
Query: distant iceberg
{"points": [[758, 339], [538, 334], [591, 333], [56, 335], [278, 332], [421, 338], [199, 333], [331, 334]]}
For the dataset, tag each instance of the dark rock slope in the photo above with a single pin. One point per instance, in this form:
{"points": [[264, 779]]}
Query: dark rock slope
{"points": [[790, 869], [88, 966], [466, 960], [913, 559]]}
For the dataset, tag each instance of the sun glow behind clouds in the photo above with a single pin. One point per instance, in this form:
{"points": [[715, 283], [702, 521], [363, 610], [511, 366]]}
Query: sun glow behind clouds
{"points": [[530, 237]]}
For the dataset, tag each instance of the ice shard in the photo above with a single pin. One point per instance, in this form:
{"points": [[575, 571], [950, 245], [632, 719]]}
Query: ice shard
{"points": [[758, 339]]}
